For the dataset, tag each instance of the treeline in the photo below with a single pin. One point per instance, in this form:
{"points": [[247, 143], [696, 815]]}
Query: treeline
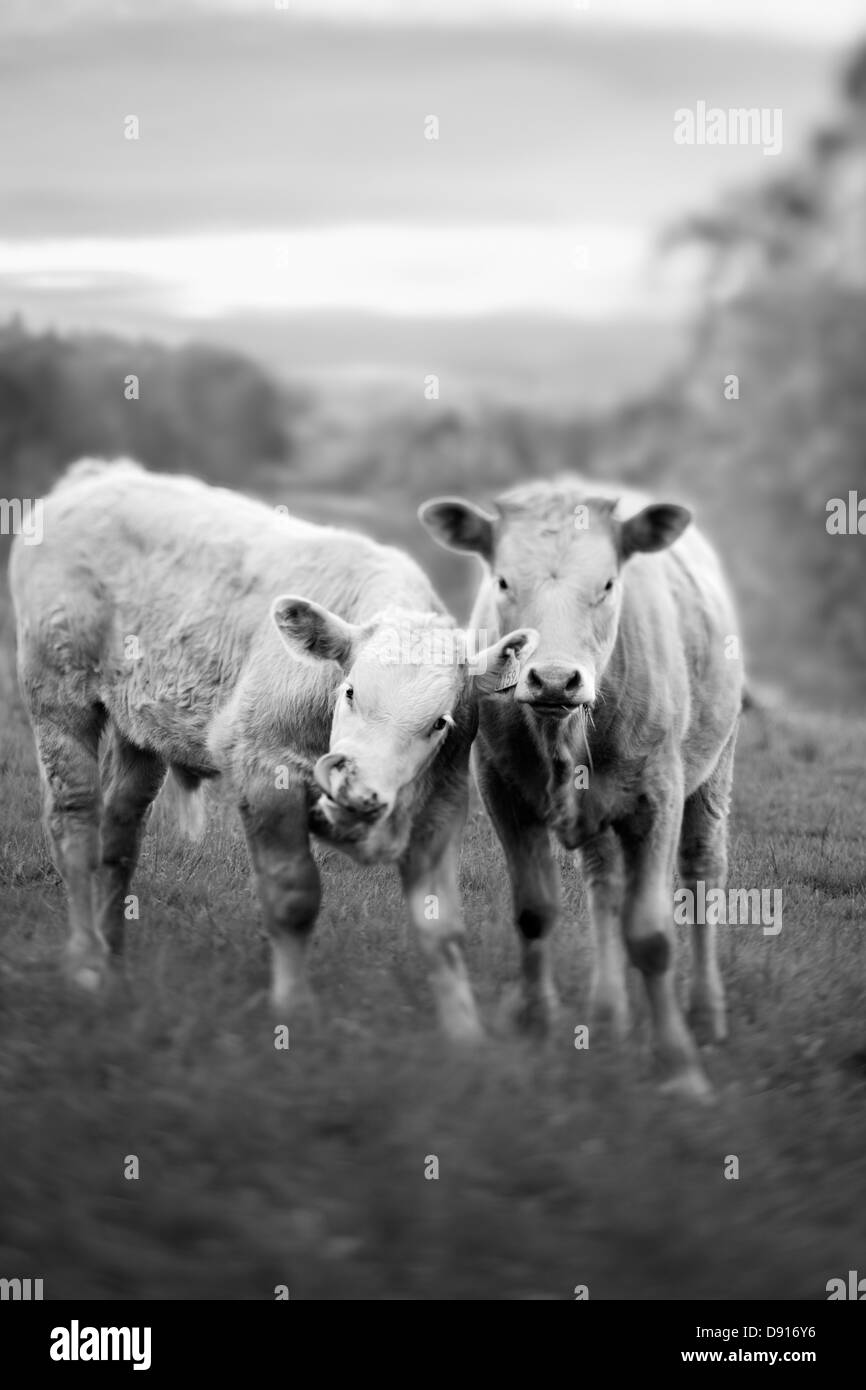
{"points": [[199, 409], [765, 423], [762, 425]]}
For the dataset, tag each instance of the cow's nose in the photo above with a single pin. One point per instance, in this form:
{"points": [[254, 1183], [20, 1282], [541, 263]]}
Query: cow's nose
{"points": [[337, 775], [556, 684], [369, 805]]}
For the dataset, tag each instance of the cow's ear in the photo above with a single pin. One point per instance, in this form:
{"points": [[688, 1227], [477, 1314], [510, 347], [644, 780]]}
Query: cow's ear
{"points": [[313, 632], [459, 525], [655, 528], [497, 669]]}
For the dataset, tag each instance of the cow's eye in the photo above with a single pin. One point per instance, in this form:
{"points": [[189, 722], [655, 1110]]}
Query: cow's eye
{"points": [[350, 694], [608, 586], [441, 723], [502, 583]]}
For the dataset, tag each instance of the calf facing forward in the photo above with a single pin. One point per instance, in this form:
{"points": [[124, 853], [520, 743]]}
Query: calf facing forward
{"points": [[620, 738], [151, 630]]}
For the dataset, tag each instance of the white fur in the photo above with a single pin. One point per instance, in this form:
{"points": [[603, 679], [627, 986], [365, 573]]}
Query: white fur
{"points": [[146, 618]]}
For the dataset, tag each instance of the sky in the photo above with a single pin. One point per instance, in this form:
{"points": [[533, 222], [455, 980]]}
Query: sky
{"points": [[831, 22], [282, 166]]}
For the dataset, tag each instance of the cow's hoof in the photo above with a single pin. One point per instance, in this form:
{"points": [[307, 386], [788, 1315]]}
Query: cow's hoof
{"points": [[465, 1032], [530, 1015], [708, 1024], [609, 1020], [299, 1010], [88, 976], [690, 1085]]}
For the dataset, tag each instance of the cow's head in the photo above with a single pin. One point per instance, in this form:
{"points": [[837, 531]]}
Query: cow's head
{"points": [[554, 559], [408, 687]]}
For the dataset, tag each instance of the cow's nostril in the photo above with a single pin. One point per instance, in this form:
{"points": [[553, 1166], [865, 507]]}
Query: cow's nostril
{"points": [[371, 807], [533, 679], [573, 684]]}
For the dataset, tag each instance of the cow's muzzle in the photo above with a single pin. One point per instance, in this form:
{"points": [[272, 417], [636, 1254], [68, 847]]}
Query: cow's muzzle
{"points": [[556, 690], [337, 775]]}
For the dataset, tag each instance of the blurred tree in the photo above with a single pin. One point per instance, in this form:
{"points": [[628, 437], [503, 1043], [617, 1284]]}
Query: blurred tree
{"points": [[202, 409]]}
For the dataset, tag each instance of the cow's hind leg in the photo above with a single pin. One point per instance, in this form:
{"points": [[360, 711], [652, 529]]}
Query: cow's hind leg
{"points": [[69, 769], [703, 857], [649, 842], [289, 889], [132, 778]]}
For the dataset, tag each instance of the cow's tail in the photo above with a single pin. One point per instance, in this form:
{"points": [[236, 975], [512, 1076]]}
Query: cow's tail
{"points": [[183, 799]]}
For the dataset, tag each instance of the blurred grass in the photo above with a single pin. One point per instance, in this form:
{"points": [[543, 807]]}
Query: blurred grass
{"points": [[558, 1167]]}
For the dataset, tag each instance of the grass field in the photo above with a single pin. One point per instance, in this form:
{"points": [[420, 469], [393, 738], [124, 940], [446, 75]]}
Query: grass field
{"points": [[306, 1167]]}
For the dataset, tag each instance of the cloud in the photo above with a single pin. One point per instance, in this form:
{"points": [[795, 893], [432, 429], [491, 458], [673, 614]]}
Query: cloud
{"points": [[589, 272]]}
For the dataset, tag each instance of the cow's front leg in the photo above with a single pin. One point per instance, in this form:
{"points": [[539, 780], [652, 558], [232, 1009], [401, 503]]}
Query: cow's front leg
{"points": [[650, 842], [429, 874], [535, 890], [602, 865], [289, 890]]}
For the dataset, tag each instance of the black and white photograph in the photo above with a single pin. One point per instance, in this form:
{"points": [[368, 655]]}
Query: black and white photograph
{"points": [[432, 663]]}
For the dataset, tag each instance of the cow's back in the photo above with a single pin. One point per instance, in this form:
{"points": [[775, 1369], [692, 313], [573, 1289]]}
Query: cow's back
{"points": [[149, 592], [680, 640]]}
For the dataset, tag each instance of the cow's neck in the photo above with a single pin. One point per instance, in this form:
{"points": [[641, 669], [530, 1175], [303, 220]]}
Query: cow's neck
{"points": [[589, 760]]}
